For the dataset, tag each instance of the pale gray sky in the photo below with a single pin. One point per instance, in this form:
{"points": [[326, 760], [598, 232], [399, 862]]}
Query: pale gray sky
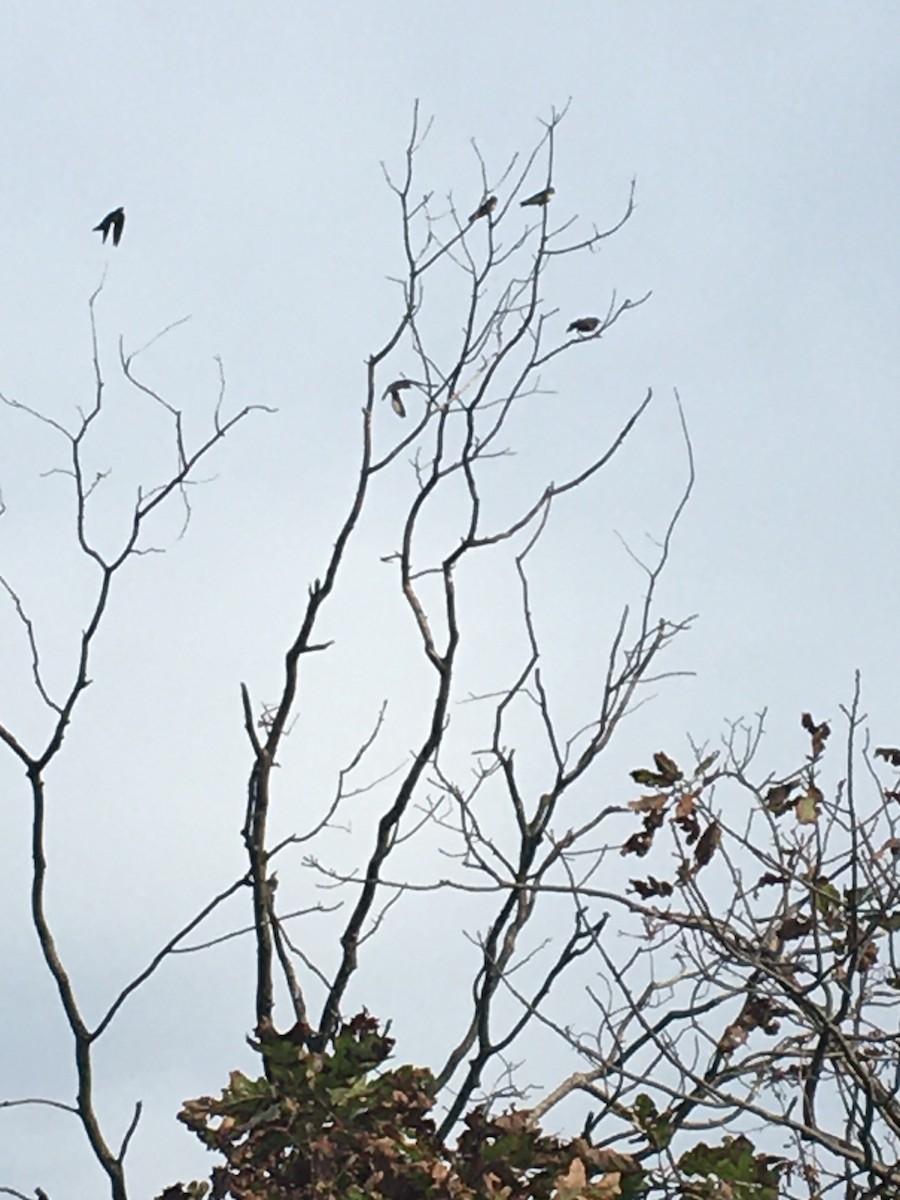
{"points": [[244, 142]]}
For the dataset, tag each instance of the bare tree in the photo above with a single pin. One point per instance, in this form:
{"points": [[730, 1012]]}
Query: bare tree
{"points": [[751, 1033], [476, 369], [745, 1039], [61, 707]]}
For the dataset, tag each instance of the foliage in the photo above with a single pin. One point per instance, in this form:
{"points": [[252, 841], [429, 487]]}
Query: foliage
{"points": [[331, 1126], [334, 1126]]}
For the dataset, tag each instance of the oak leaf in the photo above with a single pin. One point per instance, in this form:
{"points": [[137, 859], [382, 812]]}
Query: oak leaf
{"points": [[708, 844]]}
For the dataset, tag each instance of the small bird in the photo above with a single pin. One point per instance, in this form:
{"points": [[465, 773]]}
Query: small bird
{"points": [[114, 221], [393, 390], [485, 208], [540, 199], [584, 325]]}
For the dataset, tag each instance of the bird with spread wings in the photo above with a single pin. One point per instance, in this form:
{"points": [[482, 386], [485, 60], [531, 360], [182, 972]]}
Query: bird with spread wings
{"points": [[113, 222]]}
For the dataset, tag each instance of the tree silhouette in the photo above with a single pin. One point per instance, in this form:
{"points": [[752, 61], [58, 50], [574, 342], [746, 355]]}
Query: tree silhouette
{"points": [[730, 928]]}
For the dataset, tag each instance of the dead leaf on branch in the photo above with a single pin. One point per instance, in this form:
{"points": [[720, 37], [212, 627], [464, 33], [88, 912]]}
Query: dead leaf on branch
{"points": [[868, 956], [819, 734], [649, 778], [794, 927], [516, 1122], [708, 844], [777, 799], [606, 1160], [653, 803], [807, 805], [638, 843], [734, 1036], [685, 806], [685, 872], [828, 900], [759, 1012], [666, 775], [494, 1187], [607, 1187], [649, 887], [572, 1184], [703, 767], [890, 754], [771, 878], [667, 767], [689, 823]]}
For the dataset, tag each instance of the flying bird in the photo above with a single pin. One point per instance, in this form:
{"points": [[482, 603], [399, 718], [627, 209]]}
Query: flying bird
{"points": [[115, 222], [539, 199], [393, 390], [584, 325], [485, 208]]}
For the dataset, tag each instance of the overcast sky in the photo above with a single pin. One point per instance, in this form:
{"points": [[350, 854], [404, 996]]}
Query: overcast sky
{"points": [[245, 143]]}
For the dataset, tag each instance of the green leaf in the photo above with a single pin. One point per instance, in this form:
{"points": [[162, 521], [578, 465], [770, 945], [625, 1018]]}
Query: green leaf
{"points": [[828, 898], [707, 762], [777, 799], [649, 778], [736, 1162]]}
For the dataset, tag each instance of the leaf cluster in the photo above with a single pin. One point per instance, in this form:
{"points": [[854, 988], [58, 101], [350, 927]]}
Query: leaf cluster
{"points": [[333, 1126]]}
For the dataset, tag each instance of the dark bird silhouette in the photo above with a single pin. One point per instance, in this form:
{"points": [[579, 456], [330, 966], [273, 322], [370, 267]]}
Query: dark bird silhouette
{"points": [[584, 325], [485, 208], [393, 390], [539, 199], [115, 222]]}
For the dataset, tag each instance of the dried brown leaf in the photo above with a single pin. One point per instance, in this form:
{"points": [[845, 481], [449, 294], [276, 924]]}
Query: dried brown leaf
{"points": [[649, 803], [777, 799], [807, 806], [572, 1184], [794, 927], [638, 843], [819, 734], [649, 887], [868, 956], [708, 844], [667, 767], [685, 806], [607, 1187]]}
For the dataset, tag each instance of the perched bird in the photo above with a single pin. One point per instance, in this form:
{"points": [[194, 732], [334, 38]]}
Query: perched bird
{"points": [[393, 390], [114, 221], [584, 325], [485, 208], [539, 198]]}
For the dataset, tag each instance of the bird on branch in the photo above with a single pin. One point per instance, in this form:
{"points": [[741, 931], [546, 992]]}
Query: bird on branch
{"points": [[539, 199], [584, 325], [485, 208], [113, 222]]}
